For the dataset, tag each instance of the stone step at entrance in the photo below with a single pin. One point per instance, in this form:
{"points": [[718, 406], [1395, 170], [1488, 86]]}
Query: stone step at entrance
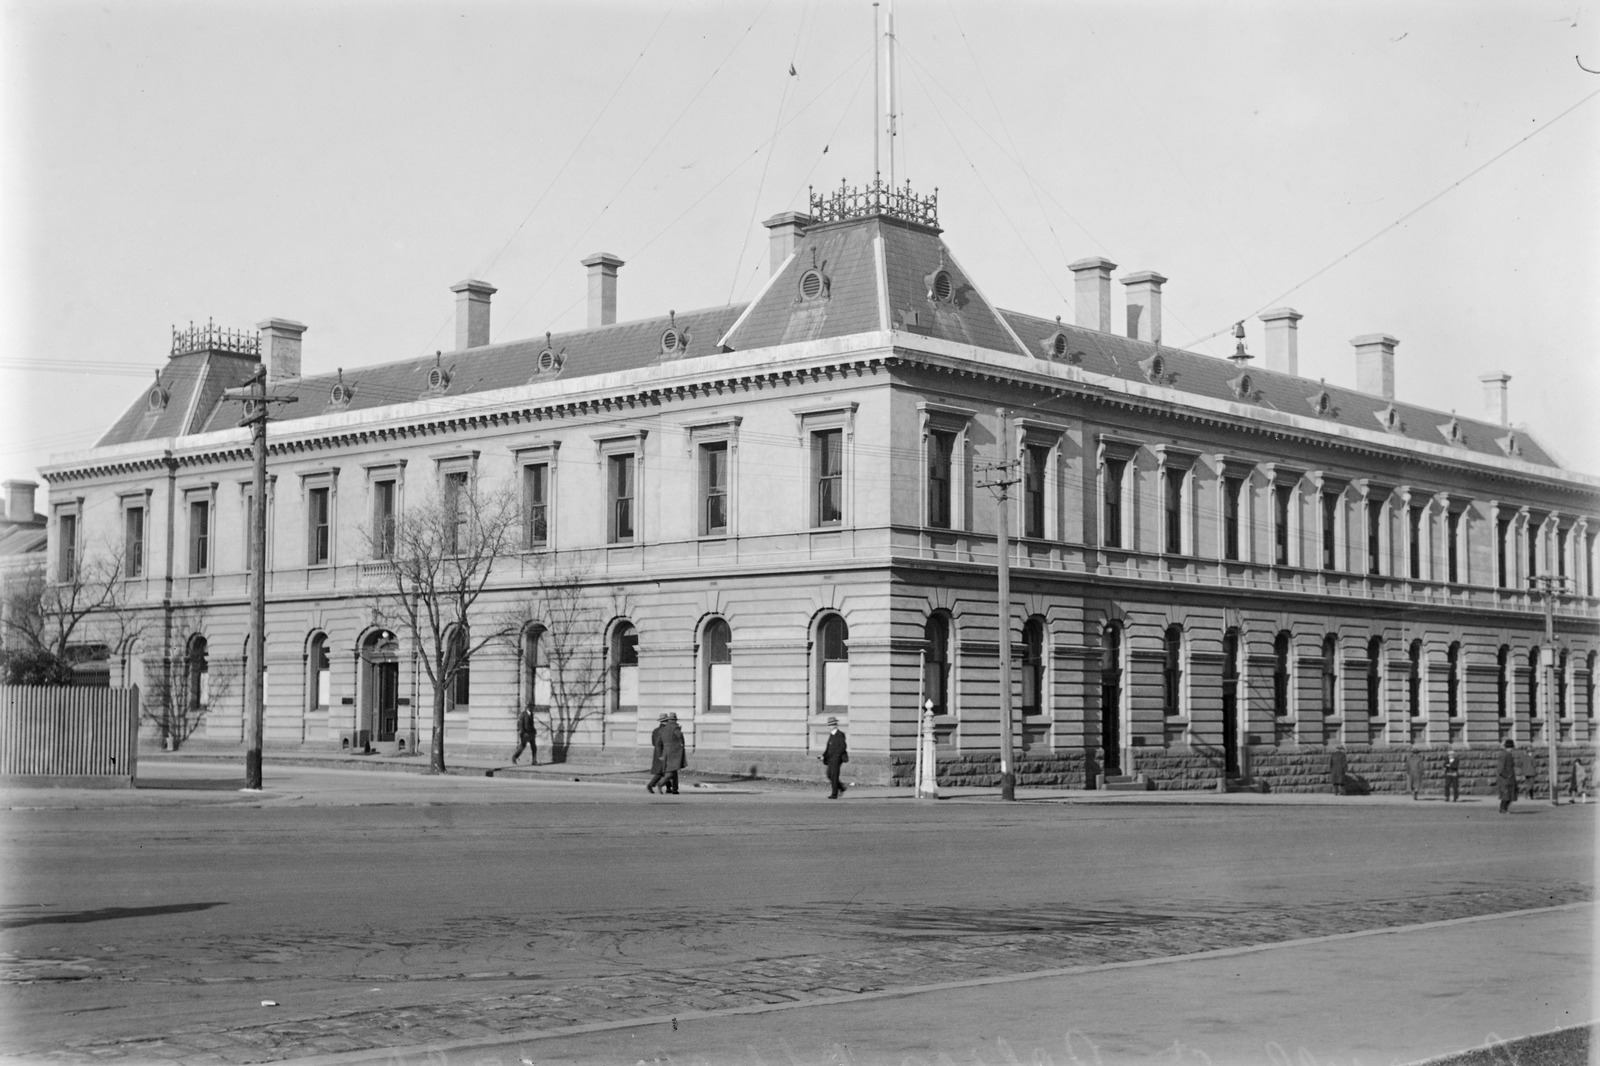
{"points": [[1123, 783]]}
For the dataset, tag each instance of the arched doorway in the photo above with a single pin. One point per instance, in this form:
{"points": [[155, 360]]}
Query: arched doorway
{"points": [[379, 717], [1111, 700]]}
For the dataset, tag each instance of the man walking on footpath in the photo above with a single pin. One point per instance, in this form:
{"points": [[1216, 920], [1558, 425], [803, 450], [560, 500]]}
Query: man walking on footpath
{"points": [[1452, 777], [1525, 771], [658, 739], [835, 755], [1506, 776], [672, 755], [1414, 772], [527, 737], [1336, 769]]}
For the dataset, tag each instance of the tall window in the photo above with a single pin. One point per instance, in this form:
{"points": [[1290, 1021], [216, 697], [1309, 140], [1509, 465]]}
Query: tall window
{"points": [[1414, 679], [458, 510], [1330, 527], [1561, 552], [1589, 684], [1374, 536], [1452, 692], [1533, 549], [1374, 677], [1112, 534], [536, 505], [199, 536], [67, 553], [458, 655], [133, 541], [827, 477], [1588, 565], [834, 652], [936, 663], [941, 454], [319, 676], [620, 486], [1035, 465], [1232, 490], [1172, 671], [1282, 503], [1453, 547], [1172, 508], [317, 527], [197, 676], [714, 489], [1502, 538], [1502, 682], [535, 669], [1282, 646], [1033, 663], [625, 667], [383, 518], [1414, 524], [1561, 686], [1330, 674], [718, 664], [1533, 683]]}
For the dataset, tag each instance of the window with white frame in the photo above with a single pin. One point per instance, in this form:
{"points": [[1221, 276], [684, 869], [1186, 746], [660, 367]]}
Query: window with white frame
{"points": [[1115, 468], [833, 665], [716, 661], [827, 433], [944, 440], [713, 450], [622, 466], [198, 505], [68, 547], [134, 510], [319, 524]]}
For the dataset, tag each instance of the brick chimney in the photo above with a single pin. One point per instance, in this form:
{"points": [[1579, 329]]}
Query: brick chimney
{"points": [[1283, 339], [472, 312], [1495, 401], [1144, 305], [280, 348], [1092, 287], [19, 500], [1375, 363], [786, 230], [602, 288]]}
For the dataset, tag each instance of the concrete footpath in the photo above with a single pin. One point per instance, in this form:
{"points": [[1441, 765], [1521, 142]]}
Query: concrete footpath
{"points": [[1323, 1001]]}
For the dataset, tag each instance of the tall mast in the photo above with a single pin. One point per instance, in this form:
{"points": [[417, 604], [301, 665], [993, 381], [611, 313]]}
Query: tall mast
{"points": [[877, 102], [892, 131]]}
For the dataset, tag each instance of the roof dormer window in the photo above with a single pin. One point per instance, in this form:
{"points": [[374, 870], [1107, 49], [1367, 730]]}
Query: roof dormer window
{"points": [[941, 287], [341, 394]]}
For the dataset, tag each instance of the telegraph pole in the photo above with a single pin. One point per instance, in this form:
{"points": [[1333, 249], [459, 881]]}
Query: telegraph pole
{"points": [[998, 477], [256, 402], [1549, 585]]}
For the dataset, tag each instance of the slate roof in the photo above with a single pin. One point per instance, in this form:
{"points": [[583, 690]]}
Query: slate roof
{"points": [[861, 293]]}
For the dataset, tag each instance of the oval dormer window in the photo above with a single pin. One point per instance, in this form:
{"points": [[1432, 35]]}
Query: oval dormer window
{"points": [[811, 284], [943, 288], [1323, 403], [1244, 386], [547, 360], [158, 398], [1058, 347], [341, 394], [671, 341], [438, 378], [1157, 367]]}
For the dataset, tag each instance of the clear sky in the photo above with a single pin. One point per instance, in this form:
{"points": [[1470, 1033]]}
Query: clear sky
{"points": [[344, 163]]}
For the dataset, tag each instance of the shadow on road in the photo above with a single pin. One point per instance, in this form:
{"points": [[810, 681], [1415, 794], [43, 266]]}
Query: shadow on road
{"points": [[193, 784], [102, 914]]}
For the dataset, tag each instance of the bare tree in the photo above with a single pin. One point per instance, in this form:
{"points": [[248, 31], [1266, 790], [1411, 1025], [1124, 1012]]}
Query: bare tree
{"points": [[441, 554], [179, 691], [44, 618], [564, 614]]}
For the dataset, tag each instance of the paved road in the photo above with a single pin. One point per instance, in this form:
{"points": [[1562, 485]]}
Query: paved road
{"points": [[471, 915]]}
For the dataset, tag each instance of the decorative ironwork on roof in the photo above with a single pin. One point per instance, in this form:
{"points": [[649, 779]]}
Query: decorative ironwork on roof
{"points": [[213, 338], [876, 199]]}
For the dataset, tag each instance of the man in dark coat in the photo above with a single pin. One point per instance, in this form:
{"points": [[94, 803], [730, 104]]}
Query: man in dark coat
{"points": [[1336, 770], [835, 755], [1414, 772], [658, 738], [526, 738], [673, 758], [1525, 771], [1506, 775]]}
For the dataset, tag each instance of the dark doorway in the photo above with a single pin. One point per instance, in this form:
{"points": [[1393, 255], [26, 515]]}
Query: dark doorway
{"points": [[1230, 702], [380, 653], [1111, 701]]}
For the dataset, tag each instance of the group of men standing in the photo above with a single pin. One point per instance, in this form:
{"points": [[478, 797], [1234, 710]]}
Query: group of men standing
{"points": [[667, 755]]}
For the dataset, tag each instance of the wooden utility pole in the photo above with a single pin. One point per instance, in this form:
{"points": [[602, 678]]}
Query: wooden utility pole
{"points": [[998, 477], [256, 403], [1549, 585]]}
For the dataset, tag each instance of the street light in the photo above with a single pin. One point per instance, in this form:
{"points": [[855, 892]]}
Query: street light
{"points": [[1548, 586]]}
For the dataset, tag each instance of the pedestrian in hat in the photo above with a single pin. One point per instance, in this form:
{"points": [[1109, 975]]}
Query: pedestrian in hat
{"points": [[1506, 775], [527, 737], [835, 755], [673, 758], [1414, 772], [657, 741]]}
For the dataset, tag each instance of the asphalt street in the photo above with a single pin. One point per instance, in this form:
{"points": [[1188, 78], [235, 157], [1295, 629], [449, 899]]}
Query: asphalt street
{"points": [[495, 920]]}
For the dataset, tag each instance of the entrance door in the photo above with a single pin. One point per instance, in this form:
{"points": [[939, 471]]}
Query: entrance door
{"points": [[1111, 701], [386, 678], [380, 701], [1230, 703]]}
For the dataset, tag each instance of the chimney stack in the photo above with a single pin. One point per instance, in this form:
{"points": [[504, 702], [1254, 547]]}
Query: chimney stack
{"points": [[1093, 291], [472, 312], [786, 230], [1495, 400], [1144, 305], [1283, 339], [602, 288], [280, 349], [1375, 363], [19, 500]]}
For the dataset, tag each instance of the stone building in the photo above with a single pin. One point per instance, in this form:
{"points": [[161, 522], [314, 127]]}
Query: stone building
{"points": [[1218, 568]]}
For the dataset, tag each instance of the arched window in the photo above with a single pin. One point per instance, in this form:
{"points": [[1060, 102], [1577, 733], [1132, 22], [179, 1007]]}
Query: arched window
{"points": [[624, 667], [535, 669], [1502, 682], [1033, 663], [1589, 700], [936, 662], [197, 679], [1414, 679], [1375, 677], [1172, 670], [319, 675], [833, 658], [1281, 647], [1330, 674], [1452, 694], [717, 663], [457, 658]]}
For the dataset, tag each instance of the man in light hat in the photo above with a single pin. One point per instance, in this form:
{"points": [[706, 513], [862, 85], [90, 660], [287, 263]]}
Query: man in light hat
{"points": [[657, 740], [835, 755], [672, 754]]}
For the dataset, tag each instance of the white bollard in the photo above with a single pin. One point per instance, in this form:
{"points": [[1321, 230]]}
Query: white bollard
{"points": [[927, 756]]}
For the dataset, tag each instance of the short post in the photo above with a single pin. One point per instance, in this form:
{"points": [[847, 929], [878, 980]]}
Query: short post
{"points": [[927, 756]]}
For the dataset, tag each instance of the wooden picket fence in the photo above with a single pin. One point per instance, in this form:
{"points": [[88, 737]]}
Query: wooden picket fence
{"points": [[79, 735]]}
